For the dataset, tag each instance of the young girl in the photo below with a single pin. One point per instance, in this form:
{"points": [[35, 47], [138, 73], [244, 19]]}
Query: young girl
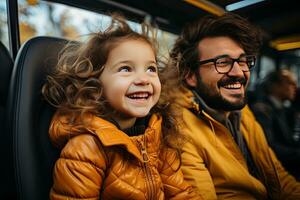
{"points": [[109, 124]]}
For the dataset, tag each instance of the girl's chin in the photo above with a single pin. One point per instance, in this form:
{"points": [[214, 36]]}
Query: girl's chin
{"points": [[139, 114], [133, 114]]}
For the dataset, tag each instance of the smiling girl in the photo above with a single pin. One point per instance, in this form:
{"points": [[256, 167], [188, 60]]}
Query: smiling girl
{"points": [[109, 122]]}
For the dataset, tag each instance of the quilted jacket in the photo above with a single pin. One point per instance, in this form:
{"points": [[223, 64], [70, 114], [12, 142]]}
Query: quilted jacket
{"points": [[99, 161]]}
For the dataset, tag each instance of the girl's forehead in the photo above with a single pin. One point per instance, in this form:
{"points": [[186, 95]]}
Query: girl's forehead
{"points": [[133, 50], [133, 41], [132, 45]]}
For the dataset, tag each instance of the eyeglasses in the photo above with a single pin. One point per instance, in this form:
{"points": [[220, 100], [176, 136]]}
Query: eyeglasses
{"points": [[224, 63]]}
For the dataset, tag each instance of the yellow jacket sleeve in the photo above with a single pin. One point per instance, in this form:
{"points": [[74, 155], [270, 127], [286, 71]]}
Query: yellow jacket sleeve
{"points": [[289, 188], [196, 173], [79, 172]]}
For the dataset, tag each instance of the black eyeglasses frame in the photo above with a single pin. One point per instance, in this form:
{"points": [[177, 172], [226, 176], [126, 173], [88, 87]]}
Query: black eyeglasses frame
{"points": [[214, 60]]}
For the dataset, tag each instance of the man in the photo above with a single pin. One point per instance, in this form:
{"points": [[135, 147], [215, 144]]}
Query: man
{"points": [[276, 120], [226, 155]]}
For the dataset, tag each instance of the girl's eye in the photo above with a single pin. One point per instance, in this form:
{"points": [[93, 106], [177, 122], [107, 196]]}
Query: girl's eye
{"points": [[152, 69], [124, 69]]}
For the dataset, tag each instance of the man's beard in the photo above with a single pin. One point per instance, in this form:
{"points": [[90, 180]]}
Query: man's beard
{"points": [[215, 100]]}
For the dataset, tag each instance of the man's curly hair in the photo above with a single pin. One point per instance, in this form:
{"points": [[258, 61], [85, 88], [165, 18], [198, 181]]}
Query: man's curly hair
{"points": [[185, 53]]}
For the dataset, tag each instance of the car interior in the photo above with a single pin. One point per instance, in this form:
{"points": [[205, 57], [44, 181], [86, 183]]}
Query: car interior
{"points": [[25, 62]]}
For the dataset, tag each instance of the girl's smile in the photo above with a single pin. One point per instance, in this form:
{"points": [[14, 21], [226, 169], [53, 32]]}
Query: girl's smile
{"points": [[130, 79]]}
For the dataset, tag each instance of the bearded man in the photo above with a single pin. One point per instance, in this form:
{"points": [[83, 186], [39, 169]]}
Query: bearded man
{"points": [[226, 155]]}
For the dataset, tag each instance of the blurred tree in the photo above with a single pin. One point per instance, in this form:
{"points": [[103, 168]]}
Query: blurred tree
{"points": [[32, 2], [3, 24], [27, 31], [68, 30]]}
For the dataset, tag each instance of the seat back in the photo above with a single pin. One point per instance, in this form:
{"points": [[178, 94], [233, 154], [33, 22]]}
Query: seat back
{"points": [[7, 186], [6, 66], [30, 117]]}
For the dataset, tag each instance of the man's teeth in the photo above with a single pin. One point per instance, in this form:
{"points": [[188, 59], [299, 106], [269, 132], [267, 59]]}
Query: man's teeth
{"points": [[233, 86]]}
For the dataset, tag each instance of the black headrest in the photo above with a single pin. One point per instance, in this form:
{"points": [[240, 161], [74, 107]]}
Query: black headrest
{"points": [[30, 116], [6, 65]]}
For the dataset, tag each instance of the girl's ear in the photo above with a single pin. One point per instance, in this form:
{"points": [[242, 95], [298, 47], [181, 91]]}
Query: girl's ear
{"points": [[190, 79]]}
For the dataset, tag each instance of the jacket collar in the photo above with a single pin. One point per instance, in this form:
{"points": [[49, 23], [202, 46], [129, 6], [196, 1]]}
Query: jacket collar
{"points": [[234, 117], [191, 100], [108, 133]]}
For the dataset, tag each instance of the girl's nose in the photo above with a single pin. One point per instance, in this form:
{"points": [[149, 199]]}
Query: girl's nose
{"points": [[141, 79]]}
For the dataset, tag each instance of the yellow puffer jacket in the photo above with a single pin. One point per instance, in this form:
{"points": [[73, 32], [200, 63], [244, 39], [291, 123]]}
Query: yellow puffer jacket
{"points": [[213, 163], [99, 161]]}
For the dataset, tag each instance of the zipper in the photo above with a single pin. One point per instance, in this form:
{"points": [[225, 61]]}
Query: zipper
{"points": [[146, 168]]}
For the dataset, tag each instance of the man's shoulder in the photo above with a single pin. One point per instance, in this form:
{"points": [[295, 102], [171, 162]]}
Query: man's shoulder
{"points": [[248, 120], [252, 131], [195, 126], [191, 117]]}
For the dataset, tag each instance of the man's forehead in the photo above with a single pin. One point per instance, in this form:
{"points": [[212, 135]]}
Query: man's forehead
{"points": [[210, 47]]}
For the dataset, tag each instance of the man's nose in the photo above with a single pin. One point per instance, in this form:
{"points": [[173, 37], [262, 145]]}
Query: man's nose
{"points": [[236, 70]]}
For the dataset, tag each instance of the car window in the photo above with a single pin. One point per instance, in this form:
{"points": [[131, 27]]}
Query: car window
{"points": [[3, 23], [38, 18]]}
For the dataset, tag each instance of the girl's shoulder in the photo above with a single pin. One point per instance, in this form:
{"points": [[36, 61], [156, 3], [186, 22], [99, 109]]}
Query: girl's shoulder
{"points": [[63, 127], [85, 148]]}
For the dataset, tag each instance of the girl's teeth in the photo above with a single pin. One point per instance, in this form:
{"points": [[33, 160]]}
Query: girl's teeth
{"points": [[144, 95]]}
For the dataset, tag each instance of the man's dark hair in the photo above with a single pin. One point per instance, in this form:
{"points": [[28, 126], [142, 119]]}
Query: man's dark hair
{"points": [[185, 52]]}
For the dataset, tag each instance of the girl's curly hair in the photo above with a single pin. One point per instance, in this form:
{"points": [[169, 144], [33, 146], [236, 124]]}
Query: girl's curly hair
{"points": [[74, 87]]}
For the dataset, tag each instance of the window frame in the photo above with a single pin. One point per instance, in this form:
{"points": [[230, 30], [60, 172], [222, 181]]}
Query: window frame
{"points": [[13, 27]]}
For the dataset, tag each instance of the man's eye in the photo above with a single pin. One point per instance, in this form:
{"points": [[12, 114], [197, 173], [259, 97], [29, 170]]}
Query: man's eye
{"points": [[152, 69], [242, 62], [224, 62], [124, 69]]}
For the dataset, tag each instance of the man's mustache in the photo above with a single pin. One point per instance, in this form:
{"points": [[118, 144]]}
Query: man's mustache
{"points": [[231, 80]]}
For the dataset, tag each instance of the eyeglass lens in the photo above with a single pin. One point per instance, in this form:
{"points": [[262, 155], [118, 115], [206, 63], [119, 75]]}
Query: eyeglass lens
{"points": [[225, 64]]}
